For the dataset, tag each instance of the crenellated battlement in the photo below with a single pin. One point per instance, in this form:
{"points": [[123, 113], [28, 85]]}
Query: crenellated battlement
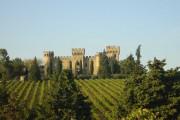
{"points": [[48, 53], [78, 62], [78, 51], [113, 52], [112, 49], [65, 57]]}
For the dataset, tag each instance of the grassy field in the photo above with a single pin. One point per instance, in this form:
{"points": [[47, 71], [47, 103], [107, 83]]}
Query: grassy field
{"points": [[103, 94]]}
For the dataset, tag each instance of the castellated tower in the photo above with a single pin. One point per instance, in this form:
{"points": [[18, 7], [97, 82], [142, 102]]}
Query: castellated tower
{"points": [[78, 60], [48, 57], [96, 63], [78, 51], [113, 51]]}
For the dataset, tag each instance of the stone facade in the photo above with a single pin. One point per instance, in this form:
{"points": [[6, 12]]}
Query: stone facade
{"points": [[79, 63]]}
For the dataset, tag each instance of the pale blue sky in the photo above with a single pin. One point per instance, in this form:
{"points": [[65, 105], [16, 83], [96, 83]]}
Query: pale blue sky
{"points": [[28, 27]]}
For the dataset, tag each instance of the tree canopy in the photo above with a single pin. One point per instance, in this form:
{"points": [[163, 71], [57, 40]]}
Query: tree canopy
{"points": [[34, 72]]}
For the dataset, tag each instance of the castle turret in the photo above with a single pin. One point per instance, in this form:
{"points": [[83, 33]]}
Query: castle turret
{"points": [[113, 51], [48, 57], [96, 63], [78, 51], [78, 63]]}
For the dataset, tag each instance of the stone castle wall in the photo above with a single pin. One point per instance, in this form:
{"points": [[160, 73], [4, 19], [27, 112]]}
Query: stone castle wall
{"points": [[78, 62]]}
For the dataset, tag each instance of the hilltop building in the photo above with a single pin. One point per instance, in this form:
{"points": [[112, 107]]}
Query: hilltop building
{"points": [[79, 61]]}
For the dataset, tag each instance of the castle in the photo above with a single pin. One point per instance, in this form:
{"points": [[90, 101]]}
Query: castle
{"points": [[78, 62]]}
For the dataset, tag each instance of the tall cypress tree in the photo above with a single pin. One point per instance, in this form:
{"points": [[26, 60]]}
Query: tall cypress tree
{"points": [[139, 68], [104, 69], [34, 72]]}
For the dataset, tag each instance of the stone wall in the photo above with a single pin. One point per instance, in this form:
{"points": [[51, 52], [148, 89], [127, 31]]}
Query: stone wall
{"points": [[78, 60]]}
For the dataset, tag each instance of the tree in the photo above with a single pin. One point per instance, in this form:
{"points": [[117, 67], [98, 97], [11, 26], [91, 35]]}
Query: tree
{"points": [[13, 110], [131, 66], [172, 83], [67, 100], [139, 68], [127, 66], [157, 91], [34, 72], [50, 69], [6, 63], [18, 67], [114, 66], [4, 58], [138, 55], [152, 89], [104, 69]]}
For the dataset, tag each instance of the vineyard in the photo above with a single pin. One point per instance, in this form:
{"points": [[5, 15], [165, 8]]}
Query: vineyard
{"points": [[31, 92], [102, 94]]}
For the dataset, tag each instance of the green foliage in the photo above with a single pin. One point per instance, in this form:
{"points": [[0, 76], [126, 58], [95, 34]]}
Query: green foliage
{"points": [[20, 98], [69, 75], [83, 76], [39, 112], [18, 67], [114, 66], [104, 69], [34, 72], [5, 64], [57, 67], [138, 55], [3, 95], [12, 68], [131, 66], [9, 107], [127, 66], [104, 95], [3, 87], [141, 114], [152, 94], [139, 68], [67, 101], [12, 110], [50, 69], [154, 91], [4, 56]]}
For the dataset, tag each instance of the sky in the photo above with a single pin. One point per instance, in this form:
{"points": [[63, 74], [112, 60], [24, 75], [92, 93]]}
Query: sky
{"points": [[28, 27]]}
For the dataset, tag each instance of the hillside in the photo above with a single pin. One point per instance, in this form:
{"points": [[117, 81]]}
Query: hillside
{"points": [[102, 94]]}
